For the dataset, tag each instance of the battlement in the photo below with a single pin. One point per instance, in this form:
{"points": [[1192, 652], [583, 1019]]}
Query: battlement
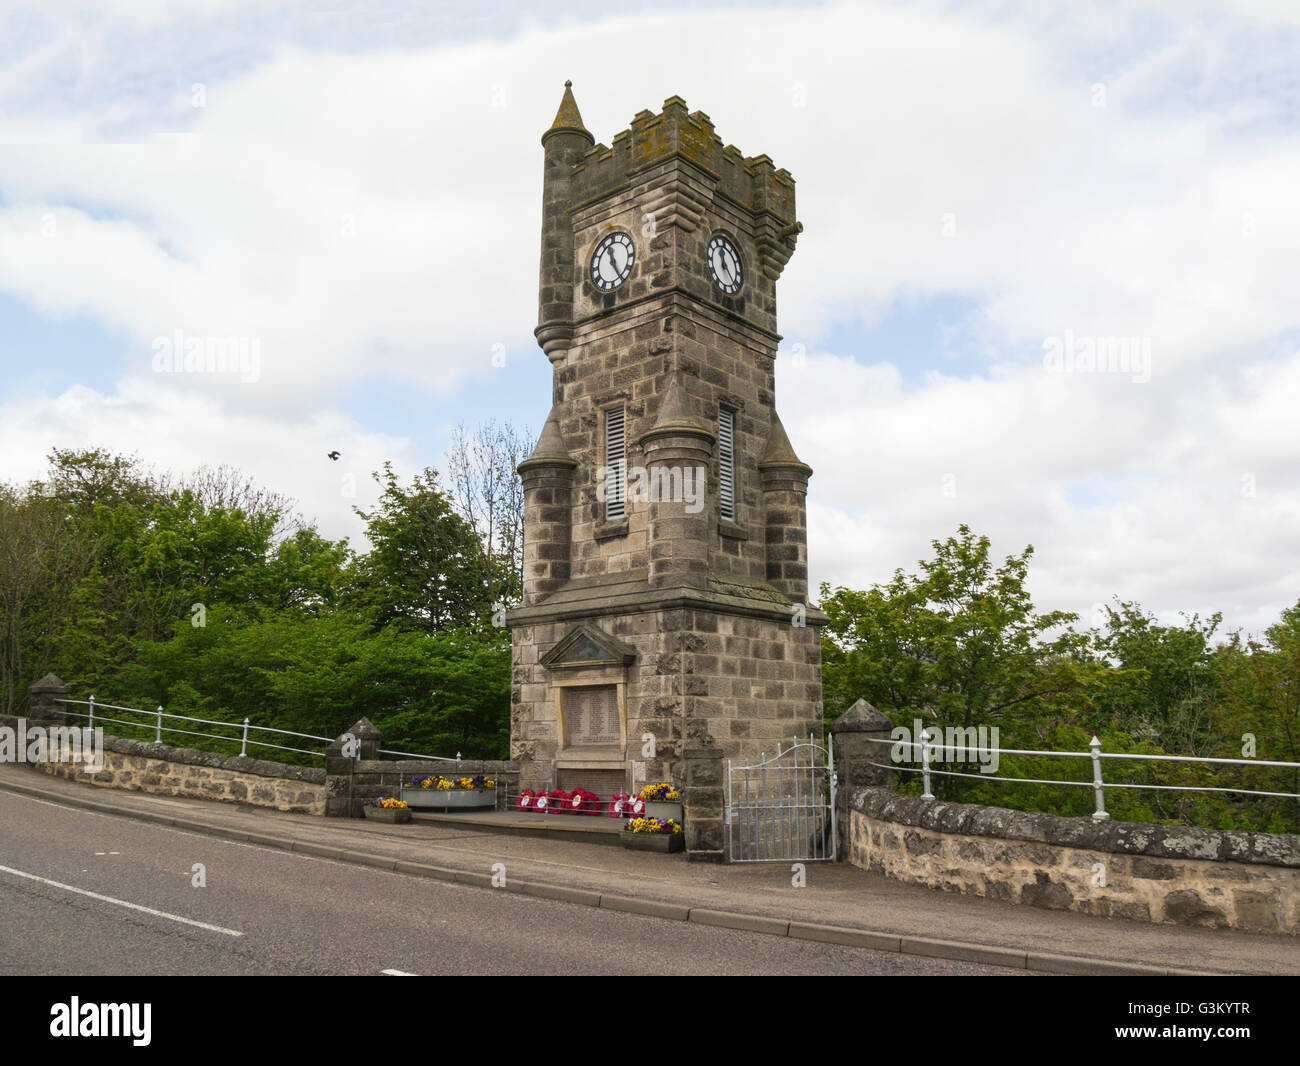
{"points": [[676, 133]]}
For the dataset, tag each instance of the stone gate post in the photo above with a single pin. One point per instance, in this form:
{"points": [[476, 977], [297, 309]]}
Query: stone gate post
{"points": [[41, 697], [703, 800], [345, 788], [854, 732]]}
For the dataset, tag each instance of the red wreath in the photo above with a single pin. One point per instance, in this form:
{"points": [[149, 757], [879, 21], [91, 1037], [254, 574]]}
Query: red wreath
{"points": [[541, 801], [581, 801], [618, 805], [636, 806], [525, 801], [557, 796]]}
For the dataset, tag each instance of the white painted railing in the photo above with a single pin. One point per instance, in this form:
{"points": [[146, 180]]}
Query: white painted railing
{"points": [[929, 747], [94, 713]]}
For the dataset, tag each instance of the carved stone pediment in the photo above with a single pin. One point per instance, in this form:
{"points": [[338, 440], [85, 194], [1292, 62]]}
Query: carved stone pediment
{"points": [[586, 646]]}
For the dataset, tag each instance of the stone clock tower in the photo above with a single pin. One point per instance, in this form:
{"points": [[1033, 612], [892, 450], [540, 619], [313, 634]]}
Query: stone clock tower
{"points": [[665, 548]]}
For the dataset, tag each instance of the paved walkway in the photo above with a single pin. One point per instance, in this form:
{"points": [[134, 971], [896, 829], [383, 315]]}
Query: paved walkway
{"points": [[841, 903]]}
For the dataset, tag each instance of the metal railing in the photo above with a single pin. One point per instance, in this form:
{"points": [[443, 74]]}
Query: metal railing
{"points": [[159, 714], [429, 758], [93, 715], [929, 747]]}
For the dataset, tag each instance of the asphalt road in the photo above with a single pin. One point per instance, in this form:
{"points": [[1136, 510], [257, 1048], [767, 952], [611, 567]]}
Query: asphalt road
{"points": [[93, 894]]}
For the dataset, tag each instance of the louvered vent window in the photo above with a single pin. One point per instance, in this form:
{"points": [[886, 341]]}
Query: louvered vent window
{"points": [[615, 465], [727, 464]]}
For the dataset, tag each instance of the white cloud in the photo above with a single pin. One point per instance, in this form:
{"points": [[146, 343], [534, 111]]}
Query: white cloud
{"points": [[375, 214], [179, 432]]}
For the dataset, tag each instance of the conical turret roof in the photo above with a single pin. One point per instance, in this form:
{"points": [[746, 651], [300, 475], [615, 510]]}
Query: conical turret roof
{"points": [[568, 118], [779, 451], [678, 414], [550, 445]]}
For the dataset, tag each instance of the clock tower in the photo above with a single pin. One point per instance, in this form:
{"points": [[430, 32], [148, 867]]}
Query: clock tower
{"points": [[665, 548]]}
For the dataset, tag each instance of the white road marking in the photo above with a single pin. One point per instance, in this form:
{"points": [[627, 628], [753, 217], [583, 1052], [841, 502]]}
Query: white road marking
{"points": [[121, 902], [397, 973]]}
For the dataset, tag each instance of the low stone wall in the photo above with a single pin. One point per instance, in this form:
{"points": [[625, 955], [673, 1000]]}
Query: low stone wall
{"points": [[164, 770], [1206, 877], [352, 783]]}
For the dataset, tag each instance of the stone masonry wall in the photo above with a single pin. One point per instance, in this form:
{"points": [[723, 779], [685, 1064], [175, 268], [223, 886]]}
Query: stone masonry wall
{"points": [[163, 770], [1189, 876], [749, 682]]}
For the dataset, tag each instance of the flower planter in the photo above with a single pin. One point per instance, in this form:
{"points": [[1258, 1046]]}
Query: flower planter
{"points": [[664, 811], [662, 842], [450, 799], [391, 815]]}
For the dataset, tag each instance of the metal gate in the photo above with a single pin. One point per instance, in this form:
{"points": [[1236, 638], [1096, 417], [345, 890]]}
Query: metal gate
{"points": [[782, 808]]}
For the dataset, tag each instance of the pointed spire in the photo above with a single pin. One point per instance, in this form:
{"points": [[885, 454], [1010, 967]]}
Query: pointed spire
{"points": [[568, 118], [550, 449], [779, 451]]}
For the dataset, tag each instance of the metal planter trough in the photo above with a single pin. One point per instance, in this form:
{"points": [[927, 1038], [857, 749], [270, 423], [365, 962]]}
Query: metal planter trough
{"points": [[664, 810], [391, 815], [662, 842], [456, 799]]}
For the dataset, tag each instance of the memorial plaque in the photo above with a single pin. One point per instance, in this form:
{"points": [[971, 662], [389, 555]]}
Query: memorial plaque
{"points": [[591, 717]]}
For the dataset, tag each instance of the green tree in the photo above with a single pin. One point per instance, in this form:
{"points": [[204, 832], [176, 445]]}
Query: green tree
{"points": [[1170, 689], [959, 642], [426, 568]]}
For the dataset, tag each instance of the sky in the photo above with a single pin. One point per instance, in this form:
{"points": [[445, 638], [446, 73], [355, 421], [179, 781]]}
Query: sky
{"points": [[1046, 285]]}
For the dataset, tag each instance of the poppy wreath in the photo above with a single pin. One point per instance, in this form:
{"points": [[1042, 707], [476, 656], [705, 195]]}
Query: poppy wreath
{"points": [[586, 802], [525, 801], [583, 802], [636, 806], [541, 801], [557, 797], [618, 805]]}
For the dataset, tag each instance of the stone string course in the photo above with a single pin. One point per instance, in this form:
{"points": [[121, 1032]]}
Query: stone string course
{"points": [[1205, 877]]}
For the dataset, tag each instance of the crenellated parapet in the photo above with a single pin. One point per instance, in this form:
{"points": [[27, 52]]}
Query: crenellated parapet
{"points": [[752, 183]]}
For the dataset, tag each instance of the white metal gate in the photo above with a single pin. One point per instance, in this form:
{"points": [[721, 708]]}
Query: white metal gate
{"points": [[782, 808]]}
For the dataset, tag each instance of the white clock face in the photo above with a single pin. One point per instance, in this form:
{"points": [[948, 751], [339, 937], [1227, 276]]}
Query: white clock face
{"points": [[611, 263], [724, 265]]}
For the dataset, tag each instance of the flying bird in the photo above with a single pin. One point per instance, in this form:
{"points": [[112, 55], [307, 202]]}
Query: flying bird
{"points": [[334, 456]]}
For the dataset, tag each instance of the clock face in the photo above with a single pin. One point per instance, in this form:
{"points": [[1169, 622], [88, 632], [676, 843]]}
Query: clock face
{"points": [[724, 265], [611, 263]]}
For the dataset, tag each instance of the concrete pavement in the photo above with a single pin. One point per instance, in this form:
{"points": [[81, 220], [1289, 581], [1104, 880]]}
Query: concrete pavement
{"points": [[839, 905]]}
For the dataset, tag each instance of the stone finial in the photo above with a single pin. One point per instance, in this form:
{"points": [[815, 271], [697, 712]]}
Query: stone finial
{"points": [[568, 119], [49, 683], [862, 717], [364, 729], [366, 733]]}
